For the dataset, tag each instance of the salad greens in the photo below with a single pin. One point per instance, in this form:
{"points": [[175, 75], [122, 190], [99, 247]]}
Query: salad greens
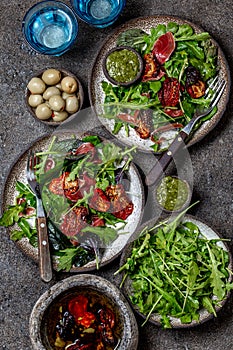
{"points": [[100, 172], [175, 271], [191, 50]]}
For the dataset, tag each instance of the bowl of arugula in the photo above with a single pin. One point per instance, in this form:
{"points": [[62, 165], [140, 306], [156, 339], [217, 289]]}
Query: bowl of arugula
{"points": [[92, 195], [177, 273]]}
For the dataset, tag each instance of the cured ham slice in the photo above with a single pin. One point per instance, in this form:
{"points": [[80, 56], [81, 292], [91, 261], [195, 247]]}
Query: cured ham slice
{"points": [[164, 47]]}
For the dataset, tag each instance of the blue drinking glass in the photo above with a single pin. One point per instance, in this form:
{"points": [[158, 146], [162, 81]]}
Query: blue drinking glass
{"points": [[50, 27], [98, 13]]}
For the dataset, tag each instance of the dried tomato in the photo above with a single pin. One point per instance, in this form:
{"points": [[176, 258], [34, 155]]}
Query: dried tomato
{"points": [[74, 221], [195, 86], [107, 320], [71, 188], [169, 94], [125, 212], [197, 90], [56, 185], [152, 68], [107, 317], [121, 206], [174, 113], [100, 201], [96, 221]]}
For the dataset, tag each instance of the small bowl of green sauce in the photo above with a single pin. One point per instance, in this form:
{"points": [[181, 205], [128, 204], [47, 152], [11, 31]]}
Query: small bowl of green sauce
{"points": [[173, 194], [123, 66]]}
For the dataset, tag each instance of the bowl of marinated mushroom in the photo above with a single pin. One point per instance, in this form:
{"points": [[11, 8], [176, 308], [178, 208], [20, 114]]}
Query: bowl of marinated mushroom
{"points": [[54, 95]]}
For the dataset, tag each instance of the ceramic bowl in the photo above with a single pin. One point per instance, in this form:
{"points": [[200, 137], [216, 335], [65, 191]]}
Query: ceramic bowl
{"points": [[79, 94], [45, 312], [121, 69], [173, 194], [167, 263]]}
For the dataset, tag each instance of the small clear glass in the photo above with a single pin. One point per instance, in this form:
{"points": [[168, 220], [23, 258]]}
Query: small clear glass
{"points": [[98, 13], [50, 27]]}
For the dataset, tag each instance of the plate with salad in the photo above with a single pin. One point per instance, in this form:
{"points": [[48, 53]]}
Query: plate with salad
{"points": [[92, 195], [177, 273], [180, 62]]}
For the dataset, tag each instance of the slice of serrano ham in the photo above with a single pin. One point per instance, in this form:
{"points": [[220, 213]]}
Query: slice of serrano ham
{"points": [[164, 47]]}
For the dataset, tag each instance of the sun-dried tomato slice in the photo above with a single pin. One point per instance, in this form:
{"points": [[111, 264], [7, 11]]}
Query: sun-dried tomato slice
{"points": [[169, 94], [152, 68], [174, 113], [96, 221], [71, 188], [56, 185], [197, 90], [121, 206], [164, 47], [100, 201], [74, 221]]}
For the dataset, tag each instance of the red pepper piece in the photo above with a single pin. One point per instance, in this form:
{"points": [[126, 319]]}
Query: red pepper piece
{"points": [[78, 306], [78, 309]]}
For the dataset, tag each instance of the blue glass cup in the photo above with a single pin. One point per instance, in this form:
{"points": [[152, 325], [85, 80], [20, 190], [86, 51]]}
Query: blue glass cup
{"points": [[98, 13], [50, 27]]}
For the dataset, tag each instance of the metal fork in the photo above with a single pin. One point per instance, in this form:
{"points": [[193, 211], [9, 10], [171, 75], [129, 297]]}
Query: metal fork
{"points": [[214, 93], [41, 223]]}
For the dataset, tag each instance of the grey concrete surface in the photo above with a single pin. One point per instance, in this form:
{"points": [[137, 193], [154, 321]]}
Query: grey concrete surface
{"points": [[20, 285]]}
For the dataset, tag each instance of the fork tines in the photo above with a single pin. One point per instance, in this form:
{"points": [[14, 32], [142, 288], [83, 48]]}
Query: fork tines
{"points": [[215, 90]]}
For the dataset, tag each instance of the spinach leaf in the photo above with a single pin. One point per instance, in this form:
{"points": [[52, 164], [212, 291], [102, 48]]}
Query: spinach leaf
{"points": [[134, 38]]}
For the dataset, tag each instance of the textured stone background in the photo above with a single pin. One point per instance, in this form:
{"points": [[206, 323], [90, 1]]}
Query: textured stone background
{"points": [[20, 285]]}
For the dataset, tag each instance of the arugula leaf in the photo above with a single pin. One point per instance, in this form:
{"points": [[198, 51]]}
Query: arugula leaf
{"points": [[70, 256], [11, 215], [216, 276]]}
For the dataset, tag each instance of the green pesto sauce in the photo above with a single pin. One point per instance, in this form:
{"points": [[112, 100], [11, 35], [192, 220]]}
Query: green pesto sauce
{"points": [[172, 193], [122, 65]]}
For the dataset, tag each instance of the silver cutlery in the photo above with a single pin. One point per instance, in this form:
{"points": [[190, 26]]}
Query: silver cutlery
{"points": [[45, 264], [214, 93]]}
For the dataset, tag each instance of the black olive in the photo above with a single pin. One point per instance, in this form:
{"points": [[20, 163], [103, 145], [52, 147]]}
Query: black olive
{"points": [[192, 75]]}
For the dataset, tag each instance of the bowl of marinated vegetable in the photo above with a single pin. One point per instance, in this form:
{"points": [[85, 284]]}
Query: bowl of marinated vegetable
{"points": [[177, 273], [83, 312], [54, 95], [173, 194], [123, 65]]}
